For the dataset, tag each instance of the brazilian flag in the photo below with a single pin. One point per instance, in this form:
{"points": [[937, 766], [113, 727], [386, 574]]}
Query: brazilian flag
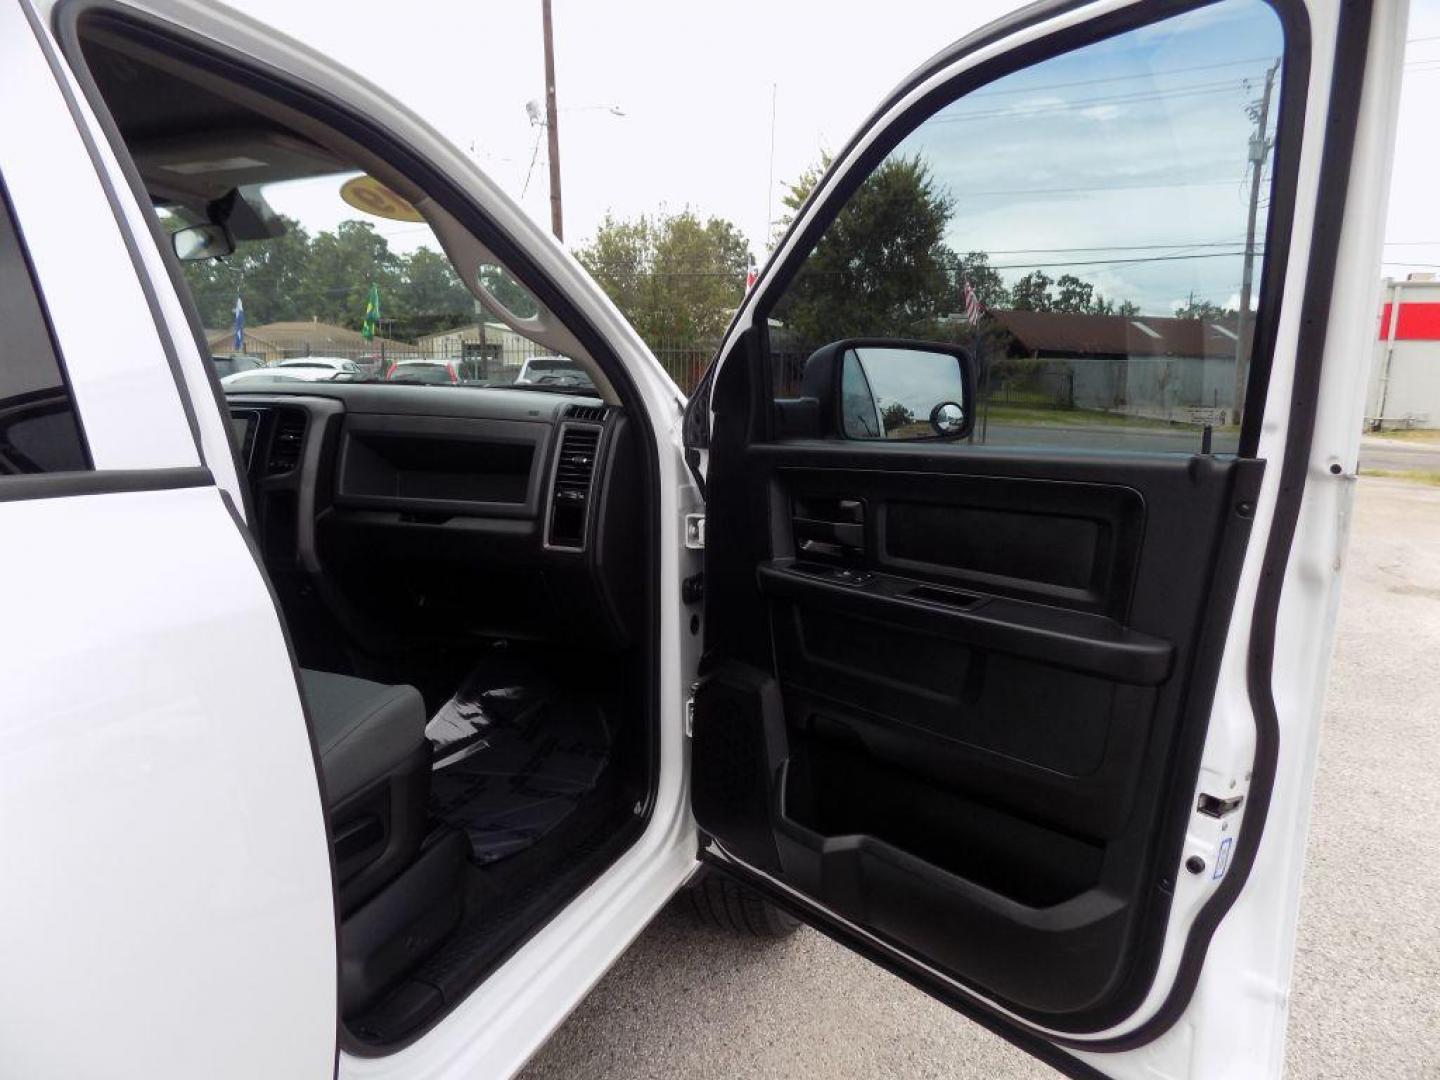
{"points": [[371, 322]]}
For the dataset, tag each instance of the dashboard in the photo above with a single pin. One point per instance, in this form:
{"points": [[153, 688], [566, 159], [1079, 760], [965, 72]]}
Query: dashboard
{"points": [[396, 514]]}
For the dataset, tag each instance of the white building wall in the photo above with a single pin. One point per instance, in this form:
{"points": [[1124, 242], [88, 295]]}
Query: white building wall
{"points": [[1404, 387]]}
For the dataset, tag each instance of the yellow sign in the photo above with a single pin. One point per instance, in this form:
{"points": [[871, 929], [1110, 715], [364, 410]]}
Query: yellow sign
{"points": [[368, 194]]}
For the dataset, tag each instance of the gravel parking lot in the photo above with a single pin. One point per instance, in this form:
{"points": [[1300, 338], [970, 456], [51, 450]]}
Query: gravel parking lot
{"points": [[687, 1001]]}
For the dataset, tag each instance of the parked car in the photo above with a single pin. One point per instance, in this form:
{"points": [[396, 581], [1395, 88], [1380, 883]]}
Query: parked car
{"points": [[552, 371], [354, 729], [423, 371], [336, 366], [296, 373], [231, 363]]}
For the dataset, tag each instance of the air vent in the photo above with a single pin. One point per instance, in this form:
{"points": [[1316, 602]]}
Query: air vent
{"points": [[570, 491], [287, 442], [595, 413]]}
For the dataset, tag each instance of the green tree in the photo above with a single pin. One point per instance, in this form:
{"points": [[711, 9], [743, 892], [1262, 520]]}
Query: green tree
{"points": [[1032, 292], [1072, 294], [797, 191], [896, 415], [989, 286], [677, 278], [428, 295], [881, 267], [343, 265], [499, 283], [1202, 309], [271, 275]]}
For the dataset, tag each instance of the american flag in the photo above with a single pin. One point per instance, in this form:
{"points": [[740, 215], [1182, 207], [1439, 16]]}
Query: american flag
{"points": [[972, 305]]}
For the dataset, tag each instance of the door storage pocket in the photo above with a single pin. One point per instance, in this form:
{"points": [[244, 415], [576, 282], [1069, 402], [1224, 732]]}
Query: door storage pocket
{"points": [[973, 889]]}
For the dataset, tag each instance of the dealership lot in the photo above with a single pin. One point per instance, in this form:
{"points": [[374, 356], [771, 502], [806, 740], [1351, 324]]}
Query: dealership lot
{"points": [[688, 1001]]}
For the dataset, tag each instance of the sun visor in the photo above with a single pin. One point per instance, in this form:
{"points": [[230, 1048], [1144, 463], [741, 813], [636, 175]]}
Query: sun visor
{"points": [[197, 169]]}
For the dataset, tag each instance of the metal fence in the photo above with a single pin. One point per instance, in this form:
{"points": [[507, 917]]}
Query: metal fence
{"points": [[493, 360]]}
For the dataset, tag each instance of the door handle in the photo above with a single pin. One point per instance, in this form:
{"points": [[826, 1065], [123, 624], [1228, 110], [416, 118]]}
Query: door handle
{"points": [[844, 533], [835, 527]]}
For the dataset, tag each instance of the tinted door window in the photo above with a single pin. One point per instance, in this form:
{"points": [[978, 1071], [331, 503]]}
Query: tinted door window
{"points": [[1092, 226], [39, 431]]}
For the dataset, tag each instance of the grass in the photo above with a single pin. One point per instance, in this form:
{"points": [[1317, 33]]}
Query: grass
{"points": [[1026, 414], [1415, 476], [1420, 435]]}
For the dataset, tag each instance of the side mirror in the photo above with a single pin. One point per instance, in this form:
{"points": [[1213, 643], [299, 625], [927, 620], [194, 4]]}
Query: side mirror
{"points": [[890, 389], [196, 242]]}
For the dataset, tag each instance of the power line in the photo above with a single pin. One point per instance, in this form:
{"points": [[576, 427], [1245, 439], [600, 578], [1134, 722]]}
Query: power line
{"points": [[1117, 247], [1228, 181], [987, 92], [1196, 90], [1117, 262]]}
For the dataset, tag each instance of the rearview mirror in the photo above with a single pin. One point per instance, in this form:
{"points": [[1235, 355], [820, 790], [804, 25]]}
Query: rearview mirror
{"points": [[196, 242], [891, 389]]}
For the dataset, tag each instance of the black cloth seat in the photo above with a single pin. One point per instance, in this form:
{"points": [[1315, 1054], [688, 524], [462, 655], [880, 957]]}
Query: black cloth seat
{"points": [[364, 730], [376, 762]]}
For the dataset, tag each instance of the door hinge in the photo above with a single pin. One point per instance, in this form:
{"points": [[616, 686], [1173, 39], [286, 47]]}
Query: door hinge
{"points": [[690, 718], [695, 531], [1216, 807]]}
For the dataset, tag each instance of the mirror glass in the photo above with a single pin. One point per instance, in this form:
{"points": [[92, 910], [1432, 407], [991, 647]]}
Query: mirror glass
{"points": [[947, 418], [202, 242], [901, 393]]}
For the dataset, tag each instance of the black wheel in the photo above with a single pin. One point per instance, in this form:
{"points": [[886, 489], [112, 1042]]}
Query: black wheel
{"points": [[718, 901]]}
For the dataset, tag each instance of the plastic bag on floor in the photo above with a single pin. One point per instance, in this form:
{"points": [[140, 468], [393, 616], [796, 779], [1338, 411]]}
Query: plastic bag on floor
{"points": [[513, 761]]}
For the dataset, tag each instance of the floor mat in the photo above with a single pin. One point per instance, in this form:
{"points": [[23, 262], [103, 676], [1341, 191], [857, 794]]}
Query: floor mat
{"points": [[513, 758]]}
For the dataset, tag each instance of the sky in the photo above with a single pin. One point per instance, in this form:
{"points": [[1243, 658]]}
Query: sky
{"points": [[1131, 150], [666, 105]]}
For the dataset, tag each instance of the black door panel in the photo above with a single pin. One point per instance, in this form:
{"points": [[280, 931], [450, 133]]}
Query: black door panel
{"points": [[954, 692]]}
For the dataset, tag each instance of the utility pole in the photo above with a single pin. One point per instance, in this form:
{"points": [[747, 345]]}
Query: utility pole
{"points": [[552, 127], [770, 181], [1259, 152]]}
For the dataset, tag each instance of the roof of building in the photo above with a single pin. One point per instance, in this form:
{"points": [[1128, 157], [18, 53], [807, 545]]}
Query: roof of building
{"points": [[319, 338], [468, 332], [1118, 335]]}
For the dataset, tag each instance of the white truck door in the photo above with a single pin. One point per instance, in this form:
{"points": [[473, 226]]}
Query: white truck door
{"points": [[1001, 691], [167, 908]]}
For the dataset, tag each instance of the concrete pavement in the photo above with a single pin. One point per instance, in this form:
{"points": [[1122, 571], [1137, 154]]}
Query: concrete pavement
{"points": [[691, 1002], [1398, 455]]}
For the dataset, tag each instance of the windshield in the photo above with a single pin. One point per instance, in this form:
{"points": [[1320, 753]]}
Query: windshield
{"points": [[351, 273]]}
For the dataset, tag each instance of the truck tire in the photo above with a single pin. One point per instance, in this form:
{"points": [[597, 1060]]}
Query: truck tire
{"points": [[719, 901]]}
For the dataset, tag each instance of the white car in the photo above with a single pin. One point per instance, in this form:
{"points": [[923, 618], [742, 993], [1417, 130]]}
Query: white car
{"points": [[317, 367], [348, 728], [552, 371]]}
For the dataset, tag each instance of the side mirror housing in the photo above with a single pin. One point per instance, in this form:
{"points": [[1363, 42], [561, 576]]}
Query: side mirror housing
{"points": [[891, 389]]}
